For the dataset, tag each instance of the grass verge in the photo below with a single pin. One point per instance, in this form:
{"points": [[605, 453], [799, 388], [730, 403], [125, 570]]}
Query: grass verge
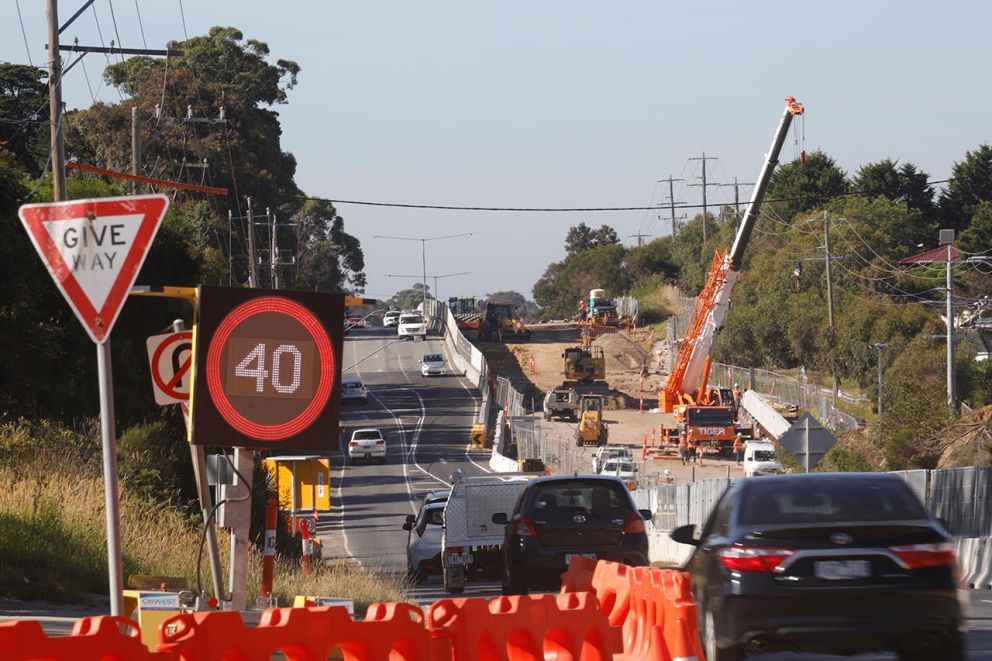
{"points": [[53, 542]]}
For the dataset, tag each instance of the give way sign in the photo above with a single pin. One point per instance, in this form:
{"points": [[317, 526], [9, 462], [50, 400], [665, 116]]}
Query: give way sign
{"points": [[94, 250]]}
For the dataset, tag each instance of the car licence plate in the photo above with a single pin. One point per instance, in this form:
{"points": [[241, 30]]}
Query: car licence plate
{"points": [[569, 556], [458, 559], [840, 570]]}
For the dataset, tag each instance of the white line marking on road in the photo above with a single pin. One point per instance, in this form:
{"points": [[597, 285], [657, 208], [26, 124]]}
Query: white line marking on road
{"points": [[475, 416], [402, 430]]}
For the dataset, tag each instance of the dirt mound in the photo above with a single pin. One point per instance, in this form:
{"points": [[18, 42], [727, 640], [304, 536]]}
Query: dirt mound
{"points": [[966, 442], [621, 352]]}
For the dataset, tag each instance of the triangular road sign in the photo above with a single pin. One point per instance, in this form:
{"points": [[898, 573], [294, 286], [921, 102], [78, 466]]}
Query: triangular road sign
{"points": [[94, 250]]}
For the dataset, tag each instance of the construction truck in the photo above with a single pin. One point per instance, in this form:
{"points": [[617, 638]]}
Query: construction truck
{"points": [[500, 324], [602, 310], [466, 313], [592, 427], [697, 407]]}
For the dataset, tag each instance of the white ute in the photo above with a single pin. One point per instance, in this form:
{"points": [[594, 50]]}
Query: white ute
{"points": [[759, 459]]}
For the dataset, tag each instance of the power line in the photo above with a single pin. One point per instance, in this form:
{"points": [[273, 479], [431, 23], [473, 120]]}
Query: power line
{"points": [[113, 19], [454, 207], [23, 33], [182, 15], [140, 26]]}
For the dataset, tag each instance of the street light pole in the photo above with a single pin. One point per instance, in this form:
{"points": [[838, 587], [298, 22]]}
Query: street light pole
{"points": [[423, 248], [446, 275]]}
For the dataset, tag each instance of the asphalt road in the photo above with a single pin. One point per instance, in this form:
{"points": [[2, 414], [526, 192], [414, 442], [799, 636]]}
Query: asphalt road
{"points": [[426, 423]]}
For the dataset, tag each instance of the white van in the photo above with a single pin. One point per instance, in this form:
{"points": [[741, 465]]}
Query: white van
{"points": [[759, 459]]}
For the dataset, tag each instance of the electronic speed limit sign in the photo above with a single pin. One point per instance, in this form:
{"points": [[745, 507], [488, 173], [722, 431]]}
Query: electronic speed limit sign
{"points": [[268, 367]]}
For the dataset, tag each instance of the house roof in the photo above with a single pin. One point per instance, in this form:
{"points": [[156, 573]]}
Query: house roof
{"points": [[938, 254]]}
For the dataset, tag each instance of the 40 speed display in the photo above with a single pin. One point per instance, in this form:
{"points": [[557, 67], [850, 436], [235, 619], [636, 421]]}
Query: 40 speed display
{"points": [[267, 369]]}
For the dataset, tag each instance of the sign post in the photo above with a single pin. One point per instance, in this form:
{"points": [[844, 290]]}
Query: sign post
{"points": [[93, 250]]}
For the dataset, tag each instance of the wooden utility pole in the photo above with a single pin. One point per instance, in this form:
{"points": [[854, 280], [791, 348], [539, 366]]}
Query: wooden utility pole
{"points": [[830, 292], [55, 104], [947, 238], [704, 186], [252, 262], [639, 237], [135, 147], [671, 199]]}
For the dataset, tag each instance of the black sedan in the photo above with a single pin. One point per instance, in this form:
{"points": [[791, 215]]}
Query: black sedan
{"points": [[560, 517], [830, 563]]}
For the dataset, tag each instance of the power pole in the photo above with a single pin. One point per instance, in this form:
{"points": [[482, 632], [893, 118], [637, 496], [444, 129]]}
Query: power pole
{"points": [[275, 254], [830, 293], [737, 199], [671, 199], [639, 237], [947, 238], [704, 185], [879, 346], [55, 107], [135, 147], [252, 274]]}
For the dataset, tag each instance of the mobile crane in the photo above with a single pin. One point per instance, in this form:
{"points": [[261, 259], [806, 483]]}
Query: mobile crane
{"points": [[696, 407]]}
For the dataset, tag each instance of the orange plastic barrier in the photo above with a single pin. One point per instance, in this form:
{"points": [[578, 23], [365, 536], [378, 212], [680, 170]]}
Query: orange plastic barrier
{"points": [[393, 631], [92, 638], [654, 607], [565, 627]]}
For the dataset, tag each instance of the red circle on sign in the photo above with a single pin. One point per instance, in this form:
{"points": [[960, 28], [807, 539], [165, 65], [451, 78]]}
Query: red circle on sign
{"points": [[168, 388], [304, 317]]}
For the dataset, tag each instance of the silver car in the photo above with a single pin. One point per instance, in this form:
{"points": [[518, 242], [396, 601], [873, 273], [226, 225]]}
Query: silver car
{"points": [[353, 390], [433, 364], [423, 547]]}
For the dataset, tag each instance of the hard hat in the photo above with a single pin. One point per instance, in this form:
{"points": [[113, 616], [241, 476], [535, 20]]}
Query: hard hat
{"points": [[668, 472]]}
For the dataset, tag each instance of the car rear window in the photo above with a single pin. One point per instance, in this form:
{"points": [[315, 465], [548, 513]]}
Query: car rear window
{"points": [[352, 384], [764, 455], [365, 435], [412, 319], [815, 500], [597, 497]]}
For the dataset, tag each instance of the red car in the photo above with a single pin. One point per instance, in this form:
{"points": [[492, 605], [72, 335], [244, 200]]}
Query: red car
{"points": [[356, 321]]}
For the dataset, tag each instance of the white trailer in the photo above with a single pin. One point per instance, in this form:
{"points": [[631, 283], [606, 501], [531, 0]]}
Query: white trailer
{"points": [[472, 543]]}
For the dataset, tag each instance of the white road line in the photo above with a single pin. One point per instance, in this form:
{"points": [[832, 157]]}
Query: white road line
{"points": [[344, 528], [416, 440]]}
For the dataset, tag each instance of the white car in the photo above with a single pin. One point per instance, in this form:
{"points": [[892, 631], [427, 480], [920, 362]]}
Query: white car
{"points": [[607, 452], [391, 319], [759, 459], [433, 364], [353, 390], [623, 469], [368, 445], [411, 325]]}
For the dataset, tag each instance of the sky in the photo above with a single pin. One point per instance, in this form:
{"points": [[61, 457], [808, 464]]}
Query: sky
{"points": [[566, 103]]}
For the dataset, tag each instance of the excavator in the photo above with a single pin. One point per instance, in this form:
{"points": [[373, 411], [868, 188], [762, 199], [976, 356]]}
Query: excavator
{"points": [[697, 408]]}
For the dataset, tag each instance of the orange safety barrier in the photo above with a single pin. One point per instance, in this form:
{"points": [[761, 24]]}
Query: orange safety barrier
{"points": [[392, 631], [566, 626], [654, 607], [102, 638]]}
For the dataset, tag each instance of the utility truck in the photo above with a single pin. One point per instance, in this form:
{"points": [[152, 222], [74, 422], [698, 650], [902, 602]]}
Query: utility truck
{"points": [[471, 543]]}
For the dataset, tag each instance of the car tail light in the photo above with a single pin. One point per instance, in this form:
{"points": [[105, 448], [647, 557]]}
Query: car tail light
{"points": [[380, 442], [634, 524], [753, 558], [918, 556], [353, 444], [456, 549], [524, 527]]}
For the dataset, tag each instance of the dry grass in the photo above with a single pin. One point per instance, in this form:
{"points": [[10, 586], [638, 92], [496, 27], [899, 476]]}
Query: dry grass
{"points": [[53, 543], [659, 303]]}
